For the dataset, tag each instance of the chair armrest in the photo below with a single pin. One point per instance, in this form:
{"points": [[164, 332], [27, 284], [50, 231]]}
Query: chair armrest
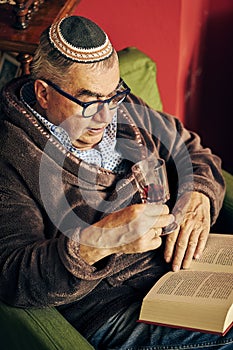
{"points": [[37, 329]]}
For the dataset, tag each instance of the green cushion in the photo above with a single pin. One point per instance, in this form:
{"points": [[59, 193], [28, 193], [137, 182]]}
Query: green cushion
{"points": [[228, 200], [37, 329], [139, 72], [224, 222]]}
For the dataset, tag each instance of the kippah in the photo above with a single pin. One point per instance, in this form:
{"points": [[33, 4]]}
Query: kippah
{"points": [[80, 40]]}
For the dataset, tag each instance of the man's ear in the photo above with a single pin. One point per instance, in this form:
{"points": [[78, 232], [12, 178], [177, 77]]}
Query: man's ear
{"points": [[41, 91]]}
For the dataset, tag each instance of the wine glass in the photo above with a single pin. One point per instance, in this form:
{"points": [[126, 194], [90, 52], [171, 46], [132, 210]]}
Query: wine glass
{"points": [[152, 183]]}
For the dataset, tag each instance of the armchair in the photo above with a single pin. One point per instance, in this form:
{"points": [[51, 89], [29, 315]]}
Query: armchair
{"points": [[46, 329]]}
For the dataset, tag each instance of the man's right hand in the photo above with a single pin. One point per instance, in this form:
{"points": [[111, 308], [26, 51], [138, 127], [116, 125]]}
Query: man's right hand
{"points": [[134, 229]]}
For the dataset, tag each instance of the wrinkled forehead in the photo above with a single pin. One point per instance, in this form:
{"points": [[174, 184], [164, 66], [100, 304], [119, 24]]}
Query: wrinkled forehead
{"points": [[100, 78]]}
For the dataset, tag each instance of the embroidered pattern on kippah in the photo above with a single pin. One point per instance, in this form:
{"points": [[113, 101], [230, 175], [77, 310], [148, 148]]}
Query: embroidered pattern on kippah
{"points": [[78, 54]]}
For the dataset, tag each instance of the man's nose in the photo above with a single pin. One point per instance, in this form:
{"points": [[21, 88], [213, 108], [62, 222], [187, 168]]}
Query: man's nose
{"points": [[104, 115]]}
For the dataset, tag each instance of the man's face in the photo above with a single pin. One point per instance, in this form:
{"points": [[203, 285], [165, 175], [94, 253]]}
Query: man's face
{"points": [[86, 83]]}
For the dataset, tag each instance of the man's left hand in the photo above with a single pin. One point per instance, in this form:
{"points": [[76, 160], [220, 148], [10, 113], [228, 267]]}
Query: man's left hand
{"points": [[189, 239]]}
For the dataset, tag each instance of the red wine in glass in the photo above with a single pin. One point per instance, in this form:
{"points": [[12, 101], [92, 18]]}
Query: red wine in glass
{"points": [[153, 193], [152, 183]]}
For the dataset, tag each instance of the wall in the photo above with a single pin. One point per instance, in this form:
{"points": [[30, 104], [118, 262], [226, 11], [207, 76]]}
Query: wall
{"points": [[191, 42], [149, 25], [211, 113], [193, 23], [169, 31]]}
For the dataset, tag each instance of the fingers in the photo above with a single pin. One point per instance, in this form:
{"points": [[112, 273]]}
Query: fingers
{"points": [[152, 239], [163, 221], [201, 244], [189, 240], [189, 247], [160, 213], [187, 254], [148, 216], [149, 241], [185, 244], [153, 209], [170, 245], [156, 231], [185, 249]]}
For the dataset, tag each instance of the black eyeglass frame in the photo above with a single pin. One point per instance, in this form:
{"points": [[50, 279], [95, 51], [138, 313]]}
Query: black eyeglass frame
{"points": [[86, 104]]}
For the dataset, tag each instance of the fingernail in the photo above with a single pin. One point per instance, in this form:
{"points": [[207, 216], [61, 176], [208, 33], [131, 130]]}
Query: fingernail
{"points": [[196, 256], [172, 218], [175, 268], [167, 259]]}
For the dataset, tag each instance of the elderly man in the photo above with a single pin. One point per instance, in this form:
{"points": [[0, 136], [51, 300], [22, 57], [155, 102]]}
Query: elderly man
{"points": [[74, 230]]}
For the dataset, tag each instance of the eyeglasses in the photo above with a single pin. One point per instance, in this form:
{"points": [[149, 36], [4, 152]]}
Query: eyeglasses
{"points": [[92, 107]]}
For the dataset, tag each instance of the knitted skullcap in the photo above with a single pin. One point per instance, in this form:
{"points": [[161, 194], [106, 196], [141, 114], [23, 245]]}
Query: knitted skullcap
{"points": [[80, 40]]}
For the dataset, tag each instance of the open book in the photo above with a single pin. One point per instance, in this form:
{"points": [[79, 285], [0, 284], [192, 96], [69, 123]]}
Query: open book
{"points": [[200, 298]]}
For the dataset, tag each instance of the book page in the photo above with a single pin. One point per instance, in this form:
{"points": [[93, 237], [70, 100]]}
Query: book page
{"points": [[204, 286], [199, 300], [192, 298], [217, 255]]}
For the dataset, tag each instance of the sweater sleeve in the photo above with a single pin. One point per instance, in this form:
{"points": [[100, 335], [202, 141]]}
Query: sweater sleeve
{"points": [[196, 167], [38, 268], [190, 166]]}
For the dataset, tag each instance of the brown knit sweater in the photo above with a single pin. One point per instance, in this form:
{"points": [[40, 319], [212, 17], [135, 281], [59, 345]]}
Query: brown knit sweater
{"points": [[47, 195]]}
